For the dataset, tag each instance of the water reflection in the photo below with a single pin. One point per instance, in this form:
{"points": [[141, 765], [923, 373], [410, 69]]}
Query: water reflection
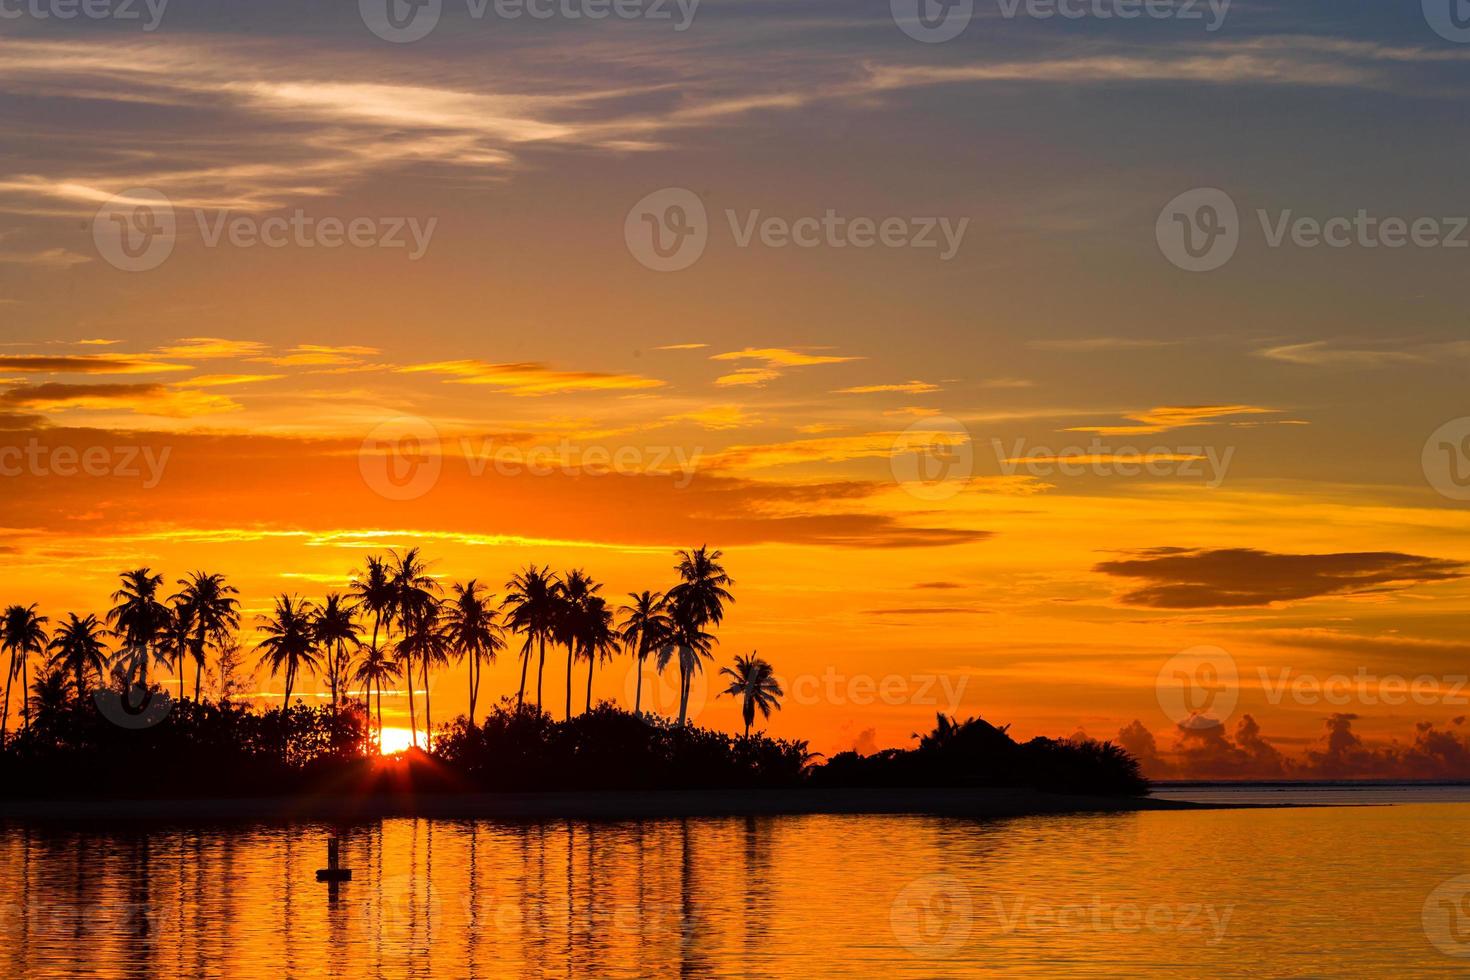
{"points": [[1119, 895]]}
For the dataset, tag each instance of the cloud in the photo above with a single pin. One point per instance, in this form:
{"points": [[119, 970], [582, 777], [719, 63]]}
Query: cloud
{"points": [[1320, 353], [682, 347], [86, 364], [222, 380], [531, 378], [747, 376], [1088, 345], [1239, 577], [47, 258], [911, 387], [317, 355], [1168, 417], [143, 399], [206, 348]]}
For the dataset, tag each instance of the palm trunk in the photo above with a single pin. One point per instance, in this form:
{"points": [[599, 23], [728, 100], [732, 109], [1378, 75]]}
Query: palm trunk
{"points": [[290, 678], [683, 693], [570, 657], [380, 717], [5, 716], [474, 684], [25, 685], [525, 666], [591, 662], [332, 666], [540, 666], [413, 721], [179, 662], [428, 719], [81, 685], [638, 691], [198, 676]]}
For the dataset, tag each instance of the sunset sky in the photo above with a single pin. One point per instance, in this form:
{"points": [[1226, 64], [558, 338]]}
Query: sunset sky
{"points": [[769, 400]]}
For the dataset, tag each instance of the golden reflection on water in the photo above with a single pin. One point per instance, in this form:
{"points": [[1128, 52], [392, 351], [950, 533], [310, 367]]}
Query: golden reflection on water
{"points": [[1321, 892]]}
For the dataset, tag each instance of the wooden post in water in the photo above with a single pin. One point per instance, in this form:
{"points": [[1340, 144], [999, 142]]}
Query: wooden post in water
{"points": [[334, 872]]}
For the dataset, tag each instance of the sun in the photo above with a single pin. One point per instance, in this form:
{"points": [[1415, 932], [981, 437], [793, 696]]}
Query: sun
{"points": [[397, 739]]}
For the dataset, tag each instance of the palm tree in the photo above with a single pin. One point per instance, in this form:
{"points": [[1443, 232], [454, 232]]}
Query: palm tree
{"points": [[375, 668], [645, 625], [77, 649], [426, 640], [473, 633], [531, 597], [335, 629], [698, 599], [597, 638], [290, 640], [414, 597], [372, 591], [213, 609], [175, 639], [702, 589], [693, 646], [22, 633], [753, 680], [576, 589], [138, 619], [48, 699]]}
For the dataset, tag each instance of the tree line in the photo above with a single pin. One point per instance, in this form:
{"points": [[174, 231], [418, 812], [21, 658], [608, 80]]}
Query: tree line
{"points": [[417, 626]]}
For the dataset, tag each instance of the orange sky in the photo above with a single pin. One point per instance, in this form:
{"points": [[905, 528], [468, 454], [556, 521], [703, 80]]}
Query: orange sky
{"points": [[780, 403]]}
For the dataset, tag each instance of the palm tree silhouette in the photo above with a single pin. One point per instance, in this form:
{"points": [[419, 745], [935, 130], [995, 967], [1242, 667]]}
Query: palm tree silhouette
{"points": [[697, 600], [645, 627], [414, 598], [290, 640], [77, 649], [426, 640], [138, 619], [375, 668], [531, 597], [753, 680], [473, 633], [597, 638], [372, 591], [174, 640], [213, 609], [693, 646], [22, 633], [335, 629], [570, 618]]}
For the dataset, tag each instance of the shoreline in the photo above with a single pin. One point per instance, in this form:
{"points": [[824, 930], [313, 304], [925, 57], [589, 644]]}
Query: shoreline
{"points": [[610, 805]]}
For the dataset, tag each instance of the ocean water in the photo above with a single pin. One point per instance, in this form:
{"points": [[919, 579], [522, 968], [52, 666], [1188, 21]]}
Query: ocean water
{"points": [[1342, 891]]}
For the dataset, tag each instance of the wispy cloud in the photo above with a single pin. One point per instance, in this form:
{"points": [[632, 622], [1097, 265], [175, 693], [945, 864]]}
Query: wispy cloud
{"points": [[531, 378]]}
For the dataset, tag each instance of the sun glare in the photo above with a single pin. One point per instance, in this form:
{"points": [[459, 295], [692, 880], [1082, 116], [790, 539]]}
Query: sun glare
{"points": [[397, 739]]}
